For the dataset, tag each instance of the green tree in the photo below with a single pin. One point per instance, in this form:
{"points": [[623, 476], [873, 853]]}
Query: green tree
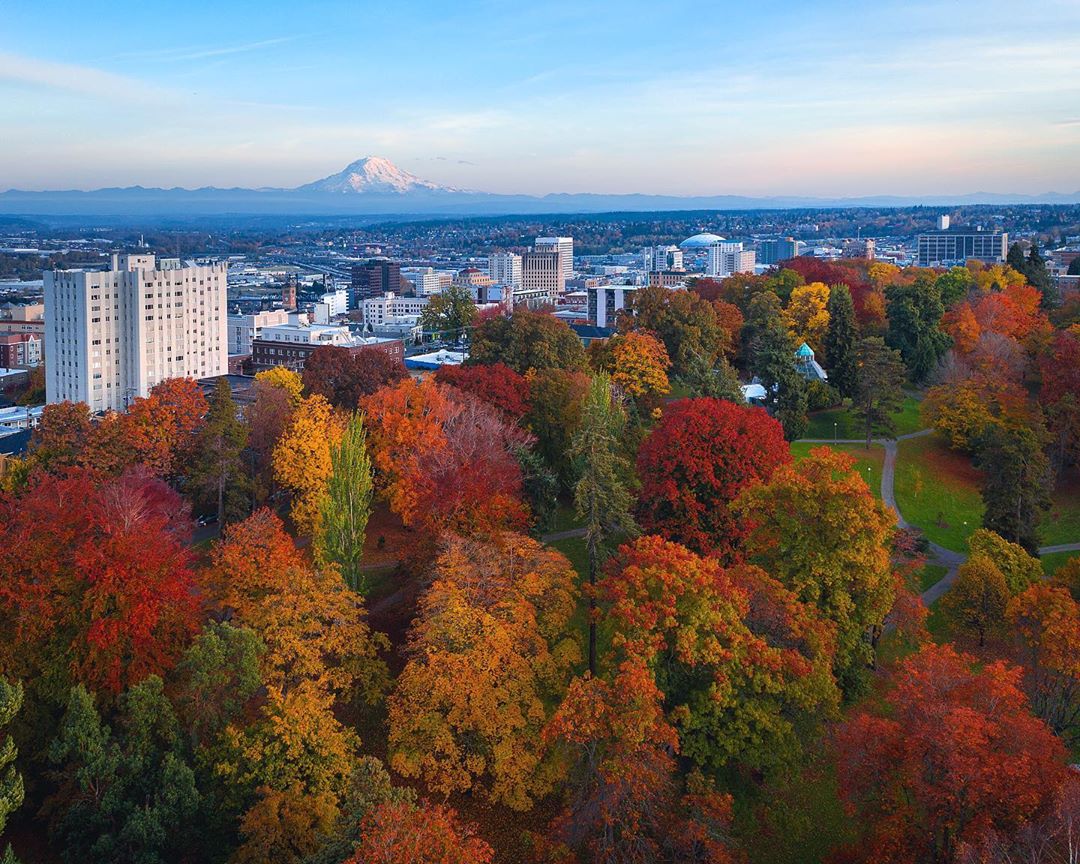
{"points": [[1039, 277], [715, 380], [11, 782], [1015, 258], [1015, 484], [126, 795], [346, 506], [878, 394], [914, 312], [526, 340], [840, 342], [602, 494], [540, 486], [684, 321], [449, 313], [217, 474], [1074, 266], [785, 388], [1019, 569], [954, 285]]}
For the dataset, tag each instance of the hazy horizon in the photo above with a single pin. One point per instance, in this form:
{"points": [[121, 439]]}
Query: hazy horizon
{"points": [[932, 98]]}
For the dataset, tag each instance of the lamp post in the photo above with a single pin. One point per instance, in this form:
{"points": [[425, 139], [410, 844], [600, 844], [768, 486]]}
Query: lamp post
{"points": [[834, 438]]}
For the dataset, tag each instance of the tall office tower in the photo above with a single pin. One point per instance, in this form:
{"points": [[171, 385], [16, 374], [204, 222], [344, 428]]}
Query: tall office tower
{"points": [[565, 247], [775, 251], [374, 278], [504, 268], [953, 247], [727, 257], [542, 279], [112, 335], [661, 258]]}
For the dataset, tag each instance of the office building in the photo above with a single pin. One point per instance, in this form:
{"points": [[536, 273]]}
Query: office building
{"points": [[727, 257], [661, 258], [564, 246], [290, 345], [542, 279], [425, 280], [946, 248], [244, 328], [775, 251], [374, 278], [504, 268], [20, 350], [378, 310], [337, 301], [606, 301], [112, 335]]}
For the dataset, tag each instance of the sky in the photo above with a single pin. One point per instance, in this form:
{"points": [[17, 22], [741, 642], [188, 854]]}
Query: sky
{"points": [[773, 97]]}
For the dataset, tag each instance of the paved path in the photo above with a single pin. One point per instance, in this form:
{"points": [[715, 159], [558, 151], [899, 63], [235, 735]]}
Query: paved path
{"points": [[938, 555]]}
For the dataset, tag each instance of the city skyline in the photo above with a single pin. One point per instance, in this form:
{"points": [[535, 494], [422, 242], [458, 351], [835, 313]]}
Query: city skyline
{"points": [[672, 98]]}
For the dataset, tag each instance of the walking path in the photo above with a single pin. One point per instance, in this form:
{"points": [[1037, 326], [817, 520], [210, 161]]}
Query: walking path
{"points": [[939, 555]]}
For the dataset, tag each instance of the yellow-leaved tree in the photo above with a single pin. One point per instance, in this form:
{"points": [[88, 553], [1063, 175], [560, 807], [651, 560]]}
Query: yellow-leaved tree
{"points": [[807, 314], [286, 379], [302, 461]]}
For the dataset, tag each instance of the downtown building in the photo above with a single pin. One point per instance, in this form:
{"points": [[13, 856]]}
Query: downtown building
{"points": [[290, 345], [945, 248], [504, 268], [542, 279], [727, 257], [564, 247], [374, 278], [111, 335]]}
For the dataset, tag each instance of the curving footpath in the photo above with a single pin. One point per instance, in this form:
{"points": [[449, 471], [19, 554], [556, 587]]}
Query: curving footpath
{"points": [[939, 555]]}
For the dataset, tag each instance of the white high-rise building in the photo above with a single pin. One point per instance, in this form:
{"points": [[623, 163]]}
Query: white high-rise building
{"points": [[504, 268], [112, 335], [425, 280], [661, 258], [727, 257], [565, 247]]}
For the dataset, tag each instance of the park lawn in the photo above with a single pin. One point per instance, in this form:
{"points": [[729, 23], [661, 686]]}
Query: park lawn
{"points": [[565, 518], [848, 425], [930, 575], [937, 490], [1061, 524], [1054, 561], [868, 462]]}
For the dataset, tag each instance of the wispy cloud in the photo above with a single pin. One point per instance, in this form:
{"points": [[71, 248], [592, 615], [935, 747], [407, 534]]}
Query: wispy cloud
{"points": [[86, 80], [194, 52]]}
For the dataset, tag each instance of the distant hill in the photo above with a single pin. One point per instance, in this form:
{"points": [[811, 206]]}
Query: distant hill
{"points": [[374, 185]]}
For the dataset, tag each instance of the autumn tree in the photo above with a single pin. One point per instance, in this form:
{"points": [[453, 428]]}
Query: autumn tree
{"points": [[841, 341], [61, 434], [975, 603], [815, 526], [444, 459], [638, 364], [694, 463], [98, 586], [1015, 483], [878, 395], [1059, 367], [343, 377], [1019, 569], [346, 505], [490, 649], [807, 314], [267, 416], [217, 471], [683, 320], [602, 498], [160, 430], [1046, 622], [526, 340], [126, 792], [950, 752], [406, 833], [302, 461], [745, 668], [11, 781], [496, 384], [283, 379], [914, 313], [449, 313]]}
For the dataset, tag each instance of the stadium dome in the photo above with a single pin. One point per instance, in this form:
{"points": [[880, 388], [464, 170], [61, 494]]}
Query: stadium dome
{"points": [[700, 241]]}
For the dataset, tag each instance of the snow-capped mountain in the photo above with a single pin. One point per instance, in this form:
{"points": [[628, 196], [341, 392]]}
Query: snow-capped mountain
{"points": [[373, 175]]}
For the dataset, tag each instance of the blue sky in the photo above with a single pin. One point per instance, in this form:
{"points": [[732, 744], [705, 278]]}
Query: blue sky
{"points": [[829, 98]]}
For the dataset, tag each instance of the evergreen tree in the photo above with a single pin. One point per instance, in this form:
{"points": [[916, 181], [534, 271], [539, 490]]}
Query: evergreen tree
{"points": [[217, 474], [785, 388], [541, 487], [1015, 485], [11, 782], [878, 394], [840, 342], [1039, 277], [1074, 266], [717, 381], [602, 494], [346, 505], [1015, 258], [914, 312]]}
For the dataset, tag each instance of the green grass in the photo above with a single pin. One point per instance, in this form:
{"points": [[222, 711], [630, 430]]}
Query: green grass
{"points": [[937, 491], [867, 462], [930, 575], [565, 518], [848, 426], [1051, 563], [1062, 523]]}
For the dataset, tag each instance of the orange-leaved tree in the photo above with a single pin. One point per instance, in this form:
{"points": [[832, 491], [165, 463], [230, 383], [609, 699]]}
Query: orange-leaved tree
{"points": [[302, 462]]}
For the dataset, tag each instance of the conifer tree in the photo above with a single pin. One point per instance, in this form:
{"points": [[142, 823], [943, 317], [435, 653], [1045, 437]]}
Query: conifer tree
{"points": [[346, 505], [840, 342], [11, 782], [217, 474]]}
